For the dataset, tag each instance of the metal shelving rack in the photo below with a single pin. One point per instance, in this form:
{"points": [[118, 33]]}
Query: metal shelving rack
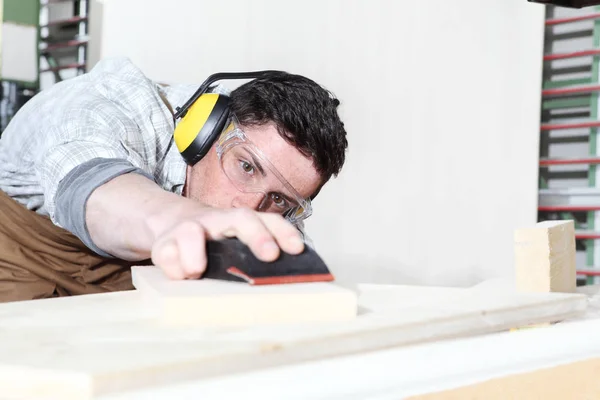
{"points": [[64, 40], [569, 182]]}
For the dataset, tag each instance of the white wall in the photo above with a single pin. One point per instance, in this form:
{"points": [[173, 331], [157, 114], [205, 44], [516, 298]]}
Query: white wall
{"points": [[441, 101]]}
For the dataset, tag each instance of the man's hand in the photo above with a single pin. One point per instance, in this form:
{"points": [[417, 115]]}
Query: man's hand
{"points": [[132, 218], [180, 250]]}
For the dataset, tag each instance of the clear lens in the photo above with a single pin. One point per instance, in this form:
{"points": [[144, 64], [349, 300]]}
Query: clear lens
{"points": [[250, 172], [242, 170]]}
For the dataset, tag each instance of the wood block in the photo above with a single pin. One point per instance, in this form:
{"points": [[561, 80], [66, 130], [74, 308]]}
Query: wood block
{"points": [[545, 257], [211, 302]]}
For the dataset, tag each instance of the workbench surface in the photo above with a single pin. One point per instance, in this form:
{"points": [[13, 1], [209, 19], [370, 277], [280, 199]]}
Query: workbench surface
{"points": [[110, 345], [402, 373]]}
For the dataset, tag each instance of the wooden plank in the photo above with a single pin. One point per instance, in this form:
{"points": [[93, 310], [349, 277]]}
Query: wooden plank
{"points": [[85, 346]]}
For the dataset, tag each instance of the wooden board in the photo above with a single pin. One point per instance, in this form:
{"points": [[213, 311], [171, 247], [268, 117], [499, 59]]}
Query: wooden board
{"points": [[89, 345], [210, 302]]}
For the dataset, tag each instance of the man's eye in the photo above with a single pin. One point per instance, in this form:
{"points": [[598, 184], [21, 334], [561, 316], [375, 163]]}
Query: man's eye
{"points": [[246, 166], [278, 199]]}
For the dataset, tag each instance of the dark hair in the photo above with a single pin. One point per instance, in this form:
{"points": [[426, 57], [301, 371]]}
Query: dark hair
{"points": [[304, 112]]}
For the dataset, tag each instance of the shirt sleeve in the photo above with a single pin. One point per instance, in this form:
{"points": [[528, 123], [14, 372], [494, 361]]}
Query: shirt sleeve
{"points": [[91, 147]]}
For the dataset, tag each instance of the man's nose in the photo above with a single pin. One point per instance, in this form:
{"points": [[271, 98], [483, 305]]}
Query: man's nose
{"points": [[249, 200]]}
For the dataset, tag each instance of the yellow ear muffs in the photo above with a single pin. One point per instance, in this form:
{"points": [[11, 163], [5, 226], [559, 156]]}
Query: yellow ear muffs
{"points": [[201, 125], [203, 116]]}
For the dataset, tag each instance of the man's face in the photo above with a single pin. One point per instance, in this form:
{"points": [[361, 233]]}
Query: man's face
{"points": [[208, 184]]}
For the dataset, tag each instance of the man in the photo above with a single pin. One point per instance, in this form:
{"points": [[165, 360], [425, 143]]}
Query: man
{"points": [[93, 183]]}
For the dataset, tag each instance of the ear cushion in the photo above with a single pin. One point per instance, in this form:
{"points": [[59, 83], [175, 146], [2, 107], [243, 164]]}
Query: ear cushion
{"points": [[201, 126]]}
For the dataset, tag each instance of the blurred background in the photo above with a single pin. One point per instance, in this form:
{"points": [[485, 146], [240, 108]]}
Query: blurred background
{"points": [[466, 119]]}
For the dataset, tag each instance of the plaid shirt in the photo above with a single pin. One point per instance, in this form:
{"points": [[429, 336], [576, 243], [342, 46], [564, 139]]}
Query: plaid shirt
{"points": [[112, 112], [73, 137]]}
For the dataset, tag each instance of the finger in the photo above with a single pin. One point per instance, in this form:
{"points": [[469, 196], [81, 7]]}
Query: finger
{"points": [[244, 224], [285, 234], [192, 249], [165, 255]]}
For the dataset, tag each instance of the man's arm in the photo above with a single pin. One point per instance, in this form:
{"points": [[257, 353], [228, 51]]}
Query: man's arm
{"points": [[132, 218], [94, 189], [119, 213]]}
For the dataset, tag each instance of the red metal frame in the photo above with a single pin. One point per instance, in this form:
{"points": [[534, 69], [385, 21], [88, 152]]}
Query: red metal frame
{"points": [[569, 161], [569, 208], [588, 272], [571, 90], [62, 67], [562, 56], [72, 20], [552, 127], [62, 45], [56, 1], [592, 159], [557, 21], [587, 235]]}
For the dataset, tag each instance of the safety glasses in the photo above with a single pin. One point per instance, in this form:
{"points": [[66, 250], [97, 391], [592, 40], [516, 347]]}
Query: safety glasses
{"points": [[250, 171]]}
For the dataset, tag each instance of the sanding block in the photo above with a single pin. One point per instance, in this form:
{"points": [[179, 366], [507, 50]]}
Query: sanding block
{"points": [[232, 260]]}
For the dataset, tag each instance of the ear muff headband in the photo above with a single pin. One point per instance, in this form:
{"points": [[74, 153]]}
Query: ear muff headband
{"points": [[204, 115]]}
